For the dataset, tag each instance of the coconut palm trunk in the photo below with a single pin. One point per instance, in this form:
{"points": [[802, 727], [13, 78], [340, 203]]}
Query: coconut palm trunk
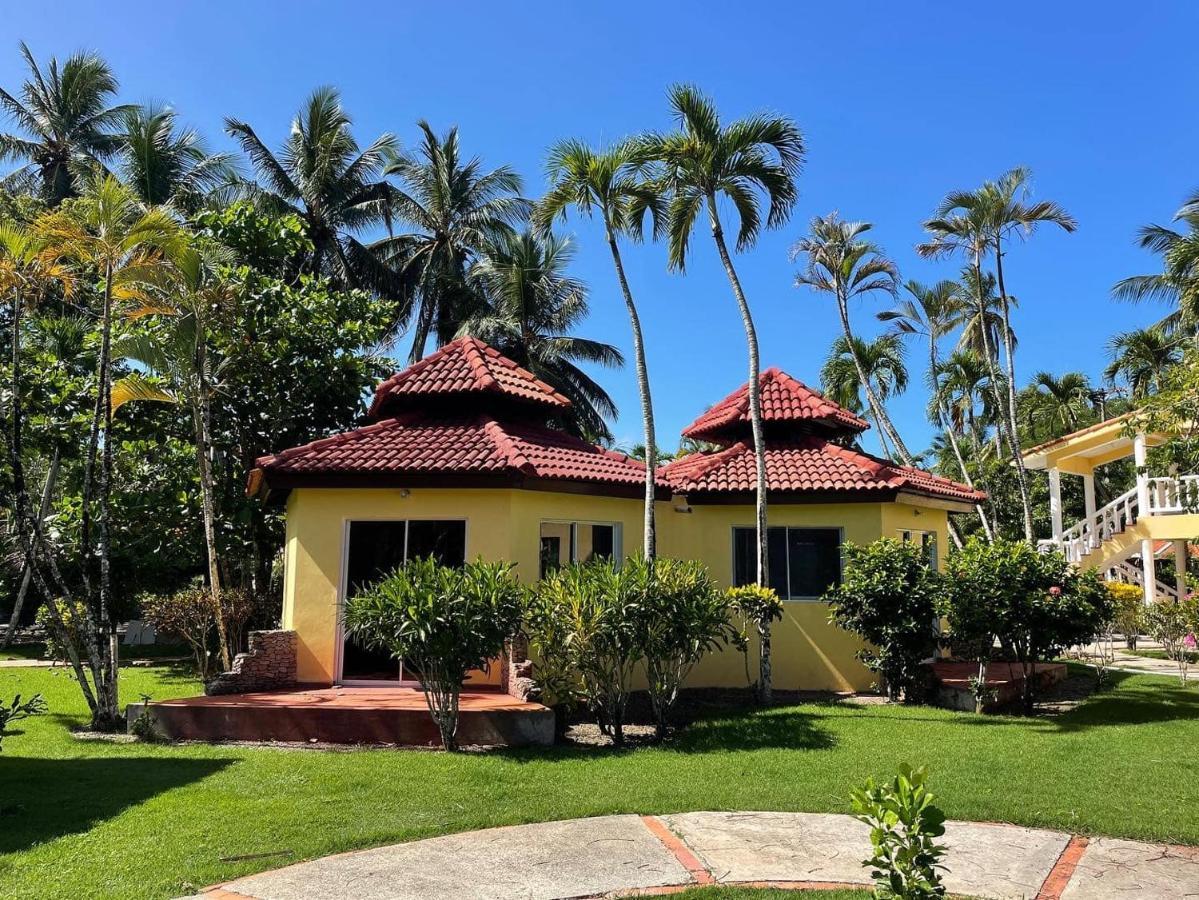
{"points": [[108, 711], [649, 547], [765, 687], [947, 428], [1010, 363]]}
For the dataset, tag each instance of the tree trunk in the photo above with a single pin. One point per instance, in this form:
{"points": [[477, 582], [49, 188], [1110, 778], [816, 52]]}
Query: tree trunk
{"points": [[876, 406], [202, 421], [765, 685], [27, 568], [647, 409], [108, 713], [947, 428], [1010, 361]]}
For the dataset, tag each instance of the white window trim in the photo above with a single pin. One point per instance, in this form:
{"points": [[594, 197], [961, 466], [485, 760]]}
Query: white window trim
{"points": [[617, 535]]}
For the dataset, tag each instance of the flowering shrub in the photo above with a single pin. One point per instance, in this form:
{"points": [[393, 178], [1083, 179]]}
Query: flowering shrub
{"points": [[1128, 614], [1173, 625]]}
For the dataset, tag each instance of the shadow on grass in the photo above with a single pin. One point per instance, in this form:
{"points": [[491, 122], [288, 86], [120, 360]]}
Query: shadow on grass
{"points": [[44, 799], [786, 729]]}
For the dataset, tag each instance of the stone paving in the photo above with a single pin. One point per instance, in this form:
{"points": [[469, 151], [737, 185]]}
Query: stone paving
{"points": [[629, 855]]}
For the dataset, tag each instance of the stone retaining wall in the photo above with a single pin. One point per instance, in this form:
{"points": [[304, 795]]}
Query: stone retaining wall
{"points": [[269, 665], [516, 678]]}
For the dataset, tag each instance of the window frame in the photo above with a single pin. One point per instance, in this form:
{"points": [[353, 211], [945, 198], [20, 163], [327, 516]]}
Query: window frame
{"points": [[343, 587], [909, 535], [839, 529], [573, 537]]}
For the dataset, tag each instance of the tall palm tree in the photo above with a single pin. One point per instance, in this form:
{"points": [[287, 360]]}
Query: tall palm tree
{"points": [[114, 234], [963, 388], [934, 312], [1057, 405], [844, 264], [64, 122], [164, 163], [980, 319], [981, 222], [880, 360], [336, 187], [188, 294], [606, 182], [532, 304], [1141, 357], [1178, 283], [756, 157], [454, 209]]}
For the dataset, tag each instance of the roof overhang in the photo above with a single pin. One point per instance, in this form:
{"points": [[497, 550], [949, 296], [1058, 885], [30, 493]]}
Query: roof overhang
{"points": [[1080, 452]]}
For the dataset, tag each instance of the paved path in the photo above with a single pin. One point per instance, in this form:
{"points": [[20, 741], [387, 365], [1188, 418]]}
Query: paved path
{"points": [[629, 855]]}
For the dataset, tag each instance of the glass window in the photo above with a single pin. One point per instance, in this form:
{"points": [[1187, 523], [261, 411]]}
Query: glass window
{"points": [[802, 563], [927, 541], [563, 543]]}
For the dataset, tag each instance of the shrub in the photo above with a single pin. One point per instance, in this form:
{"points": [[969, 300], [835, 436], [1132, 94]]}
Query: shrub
{"points": [[443, 622], [73, 616], [904, 825], [190, 614], [756, 606], [16, 710], [547, 628], [1035, 604], [240, 607], [1173, 625], [684, 615], [888, 596], [596, 606], [1128, 613]]}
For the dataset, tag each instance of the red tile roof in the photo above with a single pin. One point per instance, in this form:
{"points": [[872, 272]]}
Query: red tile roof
{"points": [[804, 464], [465, 366], [476, 445], [784, 399]]}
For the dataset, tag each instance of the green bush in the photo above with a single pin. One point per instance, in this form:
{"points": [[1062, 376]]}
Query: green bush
{"points": [[443, 622], [1128, 610], [684, 615], [1035, 604], [189, 614], [596, 611], [888, 596], [73, 616], [756, 607], [1173, 625], [904, 825]]}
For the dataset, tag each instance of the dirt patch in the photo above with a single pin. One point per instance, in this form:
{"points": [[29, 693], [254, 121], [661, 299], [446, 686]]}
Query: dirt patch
{"points": [[1066, 695]]}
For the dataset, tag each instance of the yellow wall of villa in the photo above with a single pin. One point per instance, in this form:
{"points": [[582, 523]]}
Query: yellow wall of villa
{"points": [[808, 652]]}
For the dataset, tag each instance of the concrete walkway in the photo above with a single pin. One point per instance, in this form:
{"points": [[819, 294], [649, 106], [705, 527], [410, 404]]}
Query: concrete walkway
{"points": [[629, 855]]}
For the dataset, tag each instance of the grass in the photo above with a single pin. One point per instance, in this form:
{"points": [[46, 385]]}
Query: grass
{"points": [[1161, 654], [121, 820], [140, 651]]}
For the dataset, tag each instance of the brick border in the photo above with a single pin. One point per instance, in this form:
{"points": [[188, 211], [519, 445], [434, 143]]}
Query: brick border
{"points": [[688, 860], [1063, 870]]}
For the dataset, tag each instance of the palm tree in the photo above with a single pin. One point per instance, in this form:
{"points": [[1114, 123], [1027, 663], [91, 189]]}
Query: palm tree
{"points": [[842, 263], [323, 176], [531, 307], [165, 164], [1178, 283], [881, 360], [455, 209], [112, 233], [1057, 405], [980, 319], [189, 294], [980, 222], [65, 122], [1141, 357], [963, 388], [607, 182], [934, 312], [751, 158]]}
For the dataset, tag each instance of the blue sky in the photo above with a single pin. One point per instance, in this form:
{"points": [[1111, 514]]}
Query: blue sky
{"points": [[899, 103]]}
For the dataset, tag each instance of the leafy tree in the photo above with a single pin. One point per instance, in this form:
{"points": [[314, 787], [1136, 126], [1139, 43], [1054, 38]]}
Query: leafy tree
{"points": [[751, 159], [1174, 410], [880, 360], [888, 596], [65, 124], [454, 209], [164, 163], [841, 262], [334, 186], [532, 305], [1056, 405], [1178, 284], [442, 621], [607, 183]]}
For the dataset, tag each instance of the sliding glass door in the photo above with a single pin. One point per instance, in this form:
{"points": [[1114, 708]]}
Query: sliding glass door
{"points": [[374, 549]]}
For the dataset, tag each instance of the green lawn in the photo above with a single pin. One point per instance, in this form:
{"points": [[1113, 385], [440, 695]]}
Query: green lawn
{"points": [[1161, 654], [98, 819]]}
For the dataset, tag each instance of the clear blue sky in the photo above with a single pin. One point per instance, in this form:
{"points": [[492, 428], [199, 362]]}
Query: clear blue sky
{"points": [[899, 103]]}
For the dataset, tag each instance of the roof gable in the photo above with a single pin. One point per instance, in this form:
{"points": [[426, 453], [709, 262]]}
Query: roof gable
{"points": [[466, 366], [783, 399]]}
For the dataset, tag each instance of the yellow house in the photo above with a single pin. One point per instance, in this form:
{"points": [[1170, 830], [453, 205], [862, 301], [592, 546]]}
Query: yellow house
{"points": [[463, 459]]}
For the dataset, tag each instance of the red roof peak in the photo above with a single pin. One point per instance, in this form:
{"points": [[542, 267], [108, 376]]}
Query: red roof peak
{"points": [[466, 366], [784, 399]]}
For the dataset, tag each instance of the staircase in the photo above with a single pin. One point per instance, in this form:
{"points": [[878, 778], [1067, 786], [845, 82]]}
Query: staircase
{"points": [[1106, 539], [1127, 573]]}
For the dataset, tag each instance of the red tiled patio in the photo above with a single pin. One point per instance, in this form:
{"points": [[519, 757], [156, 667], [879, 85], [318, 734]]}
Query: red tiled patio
{"points": [[350, 715]]}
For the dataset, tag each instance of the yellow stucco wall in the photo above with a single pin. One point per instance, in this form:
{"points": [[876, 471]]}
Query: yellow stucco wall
{"points": [[808, 652]]}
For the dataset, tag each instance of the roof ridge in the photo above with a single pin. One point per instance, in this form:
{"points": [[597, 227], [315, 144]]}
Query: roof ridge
{"points": [[507, 445], [475, 355], [342, 437]]}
